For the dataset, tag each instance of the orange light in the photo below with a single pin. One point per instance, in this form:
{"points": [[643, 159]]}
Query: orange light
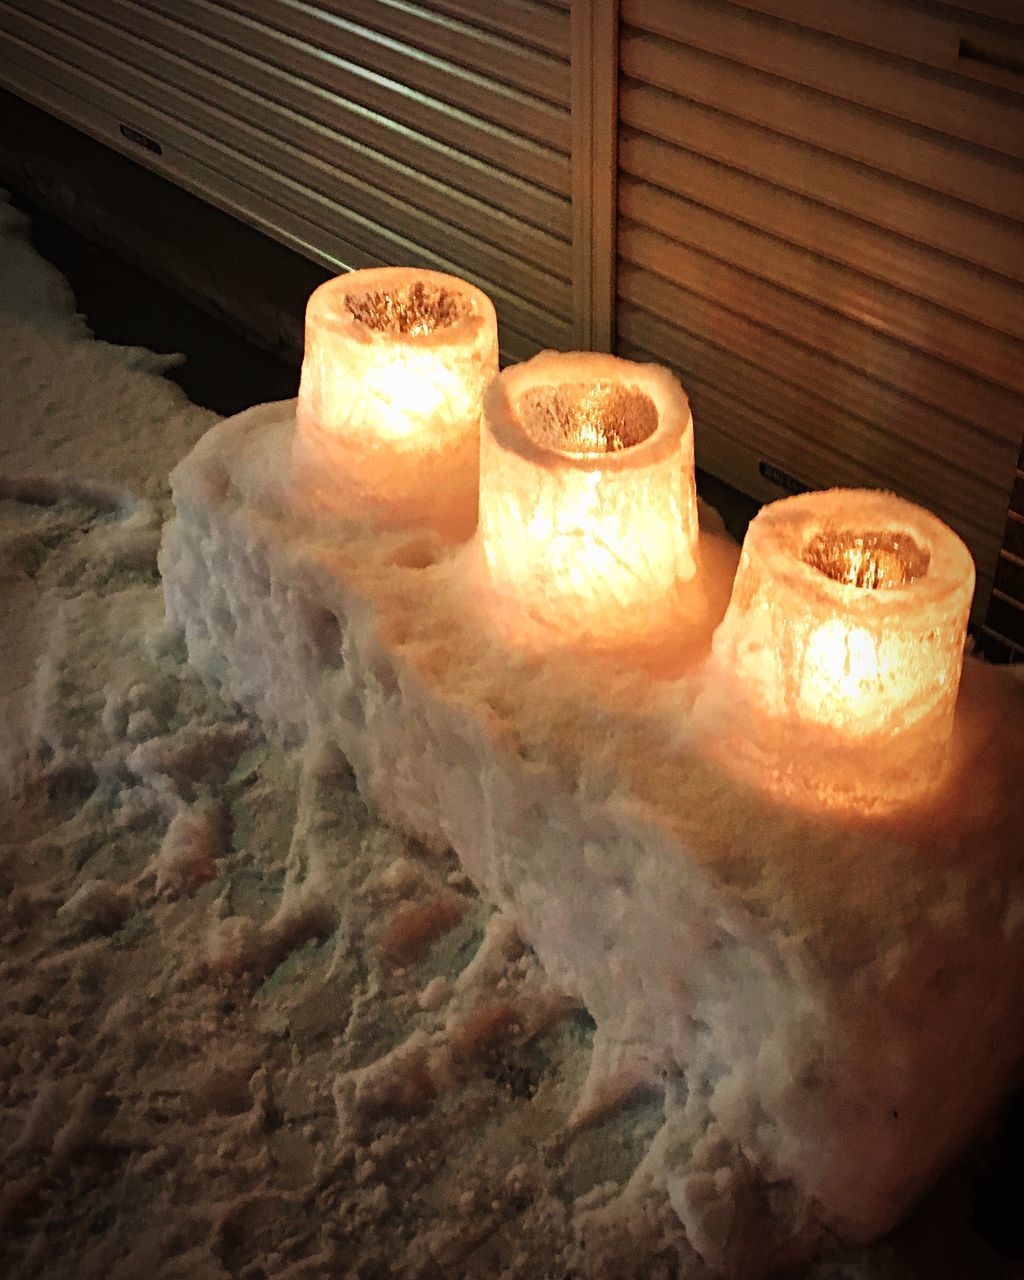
{"points": [[588, 518], [388, 419], [835, 670]]}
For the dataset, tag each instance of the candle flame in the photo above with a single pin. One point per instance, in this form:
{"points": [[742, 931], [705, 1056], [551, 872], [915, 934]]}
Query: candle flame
{"points": [[584, 418], [868, 561], [406, 390], [840, 675]]}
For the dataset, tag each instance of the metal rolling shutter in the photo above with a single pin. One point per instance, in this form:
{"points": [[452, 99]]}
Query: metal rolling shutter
{"points": [[820, 209], [373, 131]]}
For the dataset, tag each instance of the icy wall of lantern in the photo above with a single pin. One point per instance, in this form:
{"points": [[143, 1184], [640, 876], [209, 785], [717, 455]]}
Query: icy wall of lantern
{"points": [[396, 364], [588, 517], [840, 653]]}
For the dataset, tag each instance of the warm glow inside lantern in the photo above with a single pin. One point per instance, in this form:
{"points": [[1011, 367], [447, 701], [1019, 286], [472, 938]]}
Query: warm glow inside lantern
{"points": [[588, 516], [839, 656], [396, 363]]}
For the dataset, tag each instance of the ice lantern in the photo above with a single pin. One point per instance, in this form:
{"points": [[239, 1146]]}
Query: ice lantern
{"points": [[396, 364], [841, 649], [588, 516]]}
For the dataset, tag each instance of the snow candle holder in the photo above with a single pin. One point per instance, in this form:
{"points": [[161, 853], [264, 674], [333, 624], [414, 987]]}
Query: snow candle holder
{"points": [[588, 515], [842, 646], [388, 422]]}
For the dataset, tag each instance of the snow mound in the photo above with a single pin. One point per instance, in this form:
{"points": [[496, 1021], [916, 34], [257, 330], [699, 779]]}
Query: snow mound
{"points": [[828, 1007]]}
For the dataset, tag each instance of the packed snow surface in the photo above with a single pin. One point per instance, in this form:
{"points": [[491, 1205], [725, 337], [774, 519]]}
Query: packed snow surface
{"points": [[248, 1030]]}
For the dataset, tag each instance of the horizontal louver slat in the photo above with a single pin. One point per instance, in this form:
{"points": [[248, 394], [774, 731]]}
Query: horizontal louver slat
{"points": [[963, 231], [954, 42], [918, 323], [917, 95], [1007, 10], [814, 227], [391, 98], [529, 22], [734, 439], [891, 146], [875, 448], [879, 24], [816, 360], [66, 93], [364, 143]]}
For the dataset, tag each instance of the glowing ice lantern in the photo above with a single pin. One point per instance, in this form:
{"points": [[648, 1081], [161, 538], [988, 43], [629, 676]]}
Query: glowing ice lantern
{"points": [[588, 516], [841, 650], [396, 364]]}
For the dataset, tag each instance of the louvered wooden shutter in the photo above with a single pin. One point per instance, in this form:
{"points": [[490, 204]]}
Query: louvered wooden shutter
{"points": [[821, 209], [369, 132]]}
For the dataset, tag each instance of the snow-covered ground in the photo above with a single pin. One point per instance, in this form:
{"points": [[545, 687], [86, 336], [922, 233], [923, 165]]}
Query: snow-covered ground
{"points": [[247, 1030]]}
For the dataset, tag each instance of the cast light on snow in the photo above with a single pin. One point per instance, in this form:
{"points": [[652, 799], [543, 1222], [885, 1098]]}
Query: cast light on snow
{"points": [[588, 516], [396, 363], [843, 643]]}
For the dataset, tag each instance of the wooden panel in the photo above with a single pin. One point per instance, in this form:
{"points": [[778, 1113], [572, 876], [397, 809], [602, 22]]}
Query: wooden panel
{"points": [[594, 171], [813, 226], [529, 22], [941, 38], [822, 228], [651, 261], [935, 162], [972, 113], [876, 448], [876, 198], [466, 130], [363, 142], [944, 334], [44, 82], [1008, 10], [734, 439], [928, 37]]}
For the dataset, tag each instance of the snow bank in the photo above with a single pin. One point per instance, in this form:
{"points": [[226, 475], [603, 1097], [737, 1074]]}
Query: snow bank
{"points": [[830, 1006]]}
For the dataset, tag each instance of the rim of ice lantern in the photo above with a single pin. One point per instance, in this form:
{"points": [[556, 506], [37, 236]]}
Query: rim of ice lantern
{"points": [[937, 564], [588, 516], [401, 306], [514, 426]]}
